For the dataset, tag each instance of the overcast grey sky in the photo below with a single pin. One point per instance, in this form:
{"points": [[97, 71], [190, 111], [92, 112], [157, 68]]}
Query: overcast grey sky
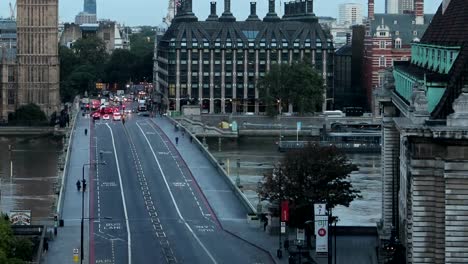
{"points": [[151, 12]]}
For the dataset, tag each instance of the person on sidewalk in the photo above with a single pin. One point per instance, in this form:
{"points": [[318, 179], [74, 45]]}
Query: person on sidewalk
{"points": [[264, 219], [86, 131], [78, 185], [46, 245], [177, 141]]}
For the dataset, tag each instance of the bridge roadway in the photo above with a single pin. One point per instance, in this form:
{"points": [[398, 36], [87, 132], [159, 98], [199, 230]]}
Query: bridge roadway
{"points": [[147, 206]]}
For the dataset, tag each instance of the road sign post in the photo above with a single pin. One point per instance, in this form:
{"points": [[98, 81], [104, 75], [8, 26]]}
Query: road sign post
{"points": [[321, 228], [75, 255], [298, 128]]}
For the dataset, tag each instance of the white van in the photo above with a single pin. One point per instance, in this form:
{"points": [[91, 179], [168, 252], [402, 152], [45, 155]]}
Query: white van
{"points": [[334, 113]]}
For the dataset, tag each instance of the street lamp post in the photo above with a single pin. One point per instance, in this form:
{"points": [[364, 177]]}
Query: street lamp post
{"points": [[279, 252], [82, 206]]}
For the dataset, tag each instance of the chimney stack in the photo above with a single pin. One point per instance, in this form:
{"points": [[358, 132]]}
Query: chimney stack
{"points": [[309, 6], [271, 16], [271, 6], [227, 15], [184, 12], [419, 11], [370, 10], [286, 9], [227, 6], [253, 12], [188, 6], [213, 16]]}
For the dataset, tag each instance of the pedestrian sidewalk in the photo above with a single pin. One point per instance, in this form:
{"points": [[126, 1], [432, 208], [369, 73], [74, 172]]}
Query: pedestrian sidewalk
{"points": [[230, 212], [68, 237]]}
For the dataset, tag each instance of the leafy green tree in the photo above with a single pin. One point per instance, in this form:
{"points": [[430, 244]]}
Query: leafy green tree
{"points": [[13, 250], [142, 45], [29, 115], [68, 62], [298, 84], [310, 175], [121, 66], [91, 50]]}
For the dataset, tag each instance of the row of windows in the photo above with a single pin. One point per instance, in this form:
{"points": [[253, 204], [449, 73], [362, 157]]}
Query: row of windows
{"points": [[397, 44]]}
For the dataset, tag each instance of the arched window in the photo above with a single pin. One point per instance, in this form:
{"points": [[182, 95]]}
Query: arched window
{"points": [[398, 43]]}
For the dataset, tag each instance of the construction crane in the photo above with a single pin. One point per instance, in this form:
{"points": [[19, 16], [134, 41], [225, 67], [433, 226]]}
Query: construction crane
{"points": [[12, 11]]}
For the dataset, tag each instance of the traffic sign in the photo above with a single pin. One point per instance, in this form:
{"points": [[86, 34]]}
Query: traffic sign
{"points": [[75, 255], [299, 126], [322, 232], [300, 234], [283, 227]]}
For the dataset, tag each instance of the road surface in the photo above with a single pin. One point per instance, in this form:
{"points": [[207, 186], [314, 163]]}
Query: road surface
{"points": [[145, 206]]}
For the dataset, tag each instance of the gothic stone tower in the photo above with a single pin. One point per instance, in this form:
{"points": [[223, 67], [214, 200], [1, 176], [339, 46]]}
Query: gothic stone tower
{"points": [[37, 54]]}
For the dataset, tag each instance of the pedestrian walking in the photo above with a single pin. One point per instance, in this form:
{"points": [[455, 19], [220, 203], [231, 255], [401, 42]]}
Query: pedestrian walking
{"points": [[265, 221], [177, 141], [86, 131], [84, 185], [78, 185], [46, 245]]}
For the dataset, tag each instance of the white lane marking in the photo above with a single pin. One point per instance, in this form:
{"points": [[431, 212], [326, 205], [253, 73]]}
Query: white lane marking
{"points": [[173, 200], [180, 170], [129, 240]]}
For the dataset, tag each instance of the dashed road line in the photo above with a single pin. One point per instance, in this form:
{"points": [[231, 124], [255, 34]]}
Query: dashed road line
{"points": [[187, 180], [151, 209], [173, 199], [129, 237]]}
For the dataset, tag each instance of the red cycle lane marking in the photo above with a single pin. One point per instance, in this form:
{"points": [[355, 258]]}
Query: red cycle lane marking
{"points": [[91, 194], [194, 181]]}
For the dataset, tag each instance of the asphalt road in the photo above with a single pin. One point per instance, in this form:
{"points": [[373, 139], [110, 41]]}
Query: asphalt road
{"points": [[147, 207]]}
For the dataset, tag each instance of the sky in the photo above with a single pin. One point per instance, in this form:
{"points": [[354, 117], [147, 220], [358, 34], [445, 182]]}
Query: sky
{"points": [[151, 12]]}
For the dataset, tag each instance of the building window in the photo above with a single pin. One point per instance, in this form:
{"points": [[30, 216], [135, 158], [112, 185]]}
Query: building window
{"points": [[398, 43], [382, 34], [382, 61], [382, 44], [381, 79], [397, 33], [415, 33]]}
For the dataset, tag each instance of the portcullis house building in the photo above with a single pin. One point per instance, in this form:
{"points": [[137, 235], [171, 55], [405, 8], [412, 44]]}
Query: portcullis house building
{"points": [[216, 63]]}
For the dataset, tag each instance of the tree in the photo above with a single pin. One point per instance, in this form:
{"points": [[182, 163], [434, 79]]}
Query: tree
{"points": [[80, 80], [91, 50], [68, 62], [298, 84], [310, 175], [13, 250], [29, 115], [142, 46], [121, 66]]}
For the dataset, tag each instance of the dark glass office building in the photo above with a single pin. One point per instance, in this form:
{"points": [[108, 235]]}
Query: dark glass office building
{"points": [[90, 6], [216, 63]]}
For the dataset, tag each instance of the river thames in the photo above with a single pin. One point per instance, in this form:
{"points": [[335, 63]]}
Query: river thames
{"points": [[28, 175], [258, 154]]}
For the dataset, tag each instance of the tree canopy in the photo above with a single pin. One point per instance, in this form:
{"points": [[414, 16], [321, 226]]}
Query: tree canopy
{"points": [[310, 175], [88, 62], [296, 83], [13, 250], [29, 115]]}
